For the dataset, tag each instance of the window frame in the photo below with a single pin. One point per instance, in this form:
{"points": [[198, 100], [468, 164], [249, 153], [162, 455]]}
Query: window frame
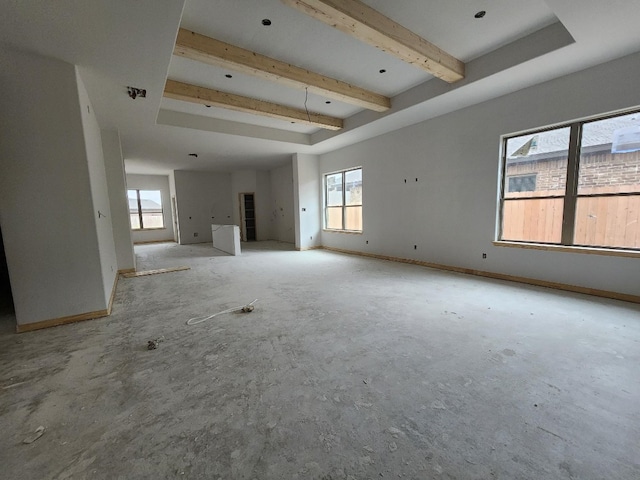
{"points": [[139, 212], [343, 206], [571, 194]]}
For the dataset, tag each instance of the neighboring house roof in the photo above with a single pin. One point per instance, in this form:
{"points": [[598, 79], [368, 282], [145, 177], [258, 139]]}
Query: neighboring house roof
{"points": [[596, 136], [145, 204]]}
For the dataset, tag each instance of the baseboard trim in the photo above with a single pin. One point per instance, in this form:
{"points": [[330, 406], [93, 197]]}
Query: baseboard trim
{"points": [[126, 270], [304, 249], [113, 293], [54, 322], [498, 276]]}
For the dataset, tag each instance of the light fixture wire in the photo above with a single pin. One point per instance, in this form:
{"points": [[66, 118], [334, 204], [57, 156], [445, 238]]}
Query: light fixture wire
{"points": [[306, 97]]}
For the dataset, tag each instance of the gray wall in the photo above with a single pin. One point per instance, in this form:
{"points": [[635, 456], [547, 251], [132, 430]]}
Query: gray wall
{"points": [[307, 184], [47, 211], [116, 183], [282, 211], [203, 199], [450, 212]]}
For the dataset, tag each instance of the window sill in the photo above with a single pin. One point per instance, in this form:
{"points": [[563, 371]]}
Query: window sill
{"points": [[351, 232], [147, 229], [563, 248]]}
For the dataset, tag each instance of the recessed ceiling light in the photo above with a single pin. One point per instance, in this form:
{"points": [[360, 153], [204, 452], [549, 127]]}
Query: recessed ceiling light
{"points": [[266, 22], [208, 106], [229, 75], [480, 14], [382, 70], [328, 102]]}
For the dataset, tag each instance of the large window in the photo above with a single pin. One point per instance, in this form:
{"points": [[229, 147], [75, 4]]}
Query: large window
{"points": [[343, 200], [576, 185], [145, 209]]}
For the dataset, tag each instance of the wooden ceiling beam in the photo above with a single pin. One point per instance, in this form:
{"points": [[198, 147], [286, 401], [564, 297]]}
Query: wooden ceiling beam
{"points": [[370, 26], [215, 98], [208, 50]]}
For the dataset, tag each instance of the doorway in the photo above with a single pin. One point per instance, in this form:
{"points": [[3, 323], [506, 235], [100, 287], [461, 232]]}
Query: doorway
{"points": [[7, 312], [247, 217]]}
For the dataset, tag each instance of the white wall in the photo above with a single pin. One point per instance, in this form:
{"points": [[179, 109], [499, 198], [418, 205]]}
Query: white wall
{"points": [[153, 182], [46, 206], [116, 183], [307, 195], [450, 212], [99, 190], [203, 199], [282, 212]]}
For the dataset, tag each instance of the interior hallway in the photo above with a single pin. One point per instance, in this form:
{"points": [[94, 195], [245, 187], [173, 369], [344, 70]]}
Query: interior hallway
{"points": [[349, 368]]}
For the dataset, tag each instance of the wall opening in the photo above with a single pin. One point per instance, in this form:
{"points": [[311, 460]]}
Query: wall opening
{"points": [[7, 311]]}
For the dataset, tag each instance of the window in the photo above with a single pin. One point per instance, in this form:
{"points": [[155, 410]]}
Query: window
{"points": [[145, 209], [343, 200], [576, 185]]}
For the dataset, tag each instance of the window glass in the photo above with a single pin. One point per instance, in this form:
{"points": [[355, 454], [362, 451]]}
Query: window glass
{"points": [[536, 164], [343, 200], [610, 156], [353, 187], [334, 189]]}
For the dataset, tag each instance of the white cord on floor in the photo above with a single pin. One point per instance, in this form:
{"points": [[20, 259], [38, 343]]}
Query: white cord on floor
{"points": [[196, 320]]}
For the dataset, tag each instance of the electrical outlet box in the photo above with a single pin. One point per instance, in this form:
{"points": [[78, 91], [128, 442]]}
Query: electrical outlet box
{"points": [[195, 234]]}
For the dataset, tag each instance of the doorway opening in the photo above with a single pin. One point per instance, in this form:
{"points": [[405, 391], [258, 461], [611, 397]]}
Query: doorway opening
{"points": [[247, 217], [7, 310]]}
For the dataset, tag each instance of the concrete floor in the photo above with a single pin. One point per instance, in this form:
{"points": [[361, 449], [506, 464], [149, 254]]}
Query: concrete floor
{"points": [[349, 368]]}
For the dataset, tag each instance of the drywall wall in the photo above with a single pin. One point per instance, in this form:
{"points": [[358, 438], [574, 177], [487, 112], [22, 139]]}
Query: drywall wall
{"points": [[116, 183], [282, 211], [449, 212], [307, 200], [203, 199], [154, 182], [99, 190], [46, 206]]}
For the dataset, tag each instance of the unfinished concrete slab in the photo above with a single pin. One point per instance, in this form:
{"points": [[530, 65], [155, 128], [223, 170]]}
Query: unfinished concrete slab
{"points": [[348, 368]]}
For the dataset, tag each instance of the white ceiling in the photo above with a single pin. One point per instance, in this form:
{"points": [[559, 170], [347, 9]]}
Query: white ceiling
{"points": [[117, 43]]}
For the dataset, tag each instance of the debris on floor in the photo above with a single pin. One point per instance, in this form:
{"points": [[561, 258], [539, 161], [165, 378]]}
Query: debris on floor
{"points": [[154, 272], [242, 308], [35, 435], [153, 344]]}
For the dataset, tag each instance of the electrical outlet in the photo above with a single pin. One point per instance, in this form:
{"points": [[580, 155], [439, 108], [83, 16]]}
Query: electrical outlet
{"points": [[367, 242], [415, 247], [484, 255], [195, 234]]}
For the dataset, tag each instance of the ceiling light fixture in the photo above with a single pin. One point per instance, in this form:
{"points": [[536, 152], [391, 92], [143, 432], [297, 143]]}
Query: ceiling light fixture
{"points": [[266, 22], [229, 75], [382, 70], [136, 92], [208, 106], [328, 102], [480, 14]]}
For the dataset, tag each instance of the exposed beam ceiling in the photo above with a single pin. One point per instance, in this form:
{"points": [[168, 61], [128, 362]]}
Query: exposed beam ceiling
{"points": [[206, 96], [370, 26], [205, 49]]}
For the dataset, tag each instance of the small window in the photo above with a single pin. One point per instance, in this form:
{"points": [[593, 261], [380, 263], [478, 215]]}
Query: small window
{"points": [[145, 209], [343, 200], [523, 183]]}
